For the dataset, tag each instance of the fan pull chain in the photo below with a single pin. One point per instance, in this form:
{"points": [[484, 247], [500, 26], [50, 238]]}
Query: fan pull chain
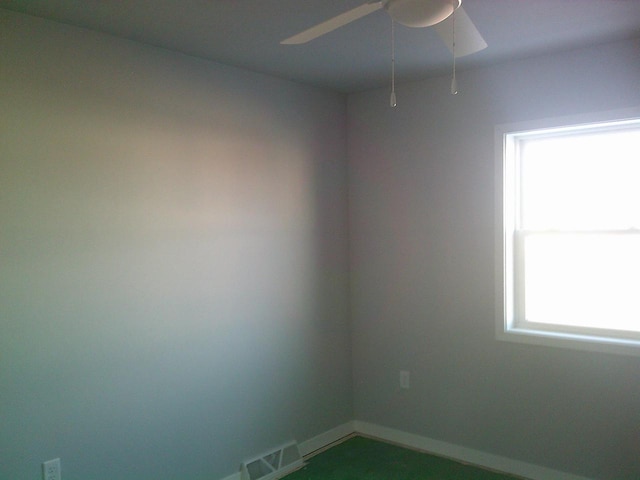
{"points": [[454, 83], [392, 100]]}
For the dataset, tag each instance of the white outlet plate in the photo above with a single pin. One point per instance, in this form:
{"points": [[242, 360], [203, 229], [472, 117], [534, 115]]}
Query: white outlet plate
{"points": [[405, 379], [51, 470]]}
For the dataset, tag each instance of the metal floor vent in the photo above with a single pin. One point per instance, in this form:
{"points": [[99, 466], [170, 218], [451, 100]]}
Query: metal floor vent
{"points": [[274, 464]]}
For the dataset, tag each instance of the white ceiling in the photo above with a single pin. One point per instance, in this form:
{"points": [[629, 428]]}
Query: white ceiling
{"points": [[247, 33]]}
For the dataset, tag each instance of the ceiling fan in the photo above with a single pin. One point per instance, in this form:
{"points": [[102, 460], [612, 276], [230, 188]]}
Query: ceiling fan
{"points": [[448, 17], [411, 13]]}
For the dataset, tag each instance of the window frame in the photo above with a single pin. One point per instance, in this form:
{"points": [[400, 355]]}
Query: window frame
{"points": [[509, 257]]}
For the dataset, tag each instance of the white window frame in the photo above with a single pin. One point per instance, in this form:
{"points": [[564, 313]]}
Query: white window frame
{"points": [[508, 326]]}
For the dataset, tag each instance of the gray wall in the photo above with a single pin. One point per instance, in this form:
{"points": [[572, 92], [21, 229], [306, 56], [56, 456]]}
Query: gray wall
{"points": [[173, 264], [422, 243], [173, 259]]}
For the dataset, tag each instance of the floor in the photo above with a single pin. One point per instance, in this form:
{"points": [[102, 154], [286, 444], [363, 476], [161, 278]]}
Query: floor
{"points": [[361, 458]]}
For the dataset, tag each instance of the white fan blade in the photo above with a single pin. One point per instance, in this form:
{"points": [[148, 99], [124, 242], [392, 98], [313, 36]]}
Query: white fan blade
{"points": [[468, 39], [333, 23]]}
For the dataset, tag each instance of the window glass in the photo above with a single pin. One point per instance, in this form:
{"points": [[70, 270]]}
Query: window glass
{"points": [[583, 280], [581, 181]]}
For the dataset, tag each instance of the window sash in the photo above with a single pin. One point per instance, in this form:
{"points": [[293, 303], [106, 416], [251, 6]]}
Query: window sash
{"points": [[519, 288]]}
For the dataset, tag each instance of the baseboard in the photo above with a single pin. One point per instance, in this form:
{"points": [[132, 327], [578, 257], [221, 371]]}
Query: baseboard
{"points": [[463, 454], [437, 447], [324, 440], [316, 444]]}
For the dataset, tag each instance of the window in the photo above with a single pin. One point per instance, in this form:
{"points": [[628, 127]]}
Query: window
{"points": [[569, 234]]}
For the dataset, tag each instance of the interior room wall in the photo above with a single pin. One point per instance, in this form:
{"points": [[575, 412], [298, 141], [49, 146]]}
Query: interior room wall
{"points": [[421, 186], [173, 259]]}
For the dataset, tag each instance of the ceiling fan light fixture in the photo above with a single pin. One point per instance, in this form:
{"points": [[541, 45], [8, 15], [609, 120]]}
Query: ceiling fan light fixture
{"points": [[421, 13]]}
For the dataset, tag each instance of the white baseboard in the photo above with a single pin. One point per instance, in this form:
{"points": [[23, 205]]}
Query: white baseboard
{"points": [[315, 444], [325, 439], [429, 445], [463, 454]]}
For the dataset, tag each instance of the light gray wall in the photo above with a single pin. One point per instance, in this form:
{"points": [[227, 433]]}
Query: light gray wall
{"points": [[173, 259], [422, 260]]}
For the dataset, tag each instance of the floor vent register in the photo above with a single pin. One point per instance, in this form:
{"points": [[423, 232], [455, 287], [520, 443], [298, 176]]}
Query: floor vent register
{"points": [[274, 464]]}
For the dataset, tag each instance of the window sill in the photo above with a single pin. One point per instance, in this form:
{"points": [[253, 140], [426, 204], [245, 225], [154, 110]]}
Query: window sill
{"points": [[570, 340]]}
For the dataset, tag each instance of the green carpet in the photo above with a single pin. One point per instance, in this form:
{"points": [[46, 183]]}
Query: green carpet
{"points": [[361, 458]]}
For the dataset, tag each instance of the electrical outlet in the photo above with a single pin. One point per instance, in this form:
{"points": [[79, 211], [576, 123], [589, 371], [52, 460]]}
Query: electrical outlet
{"points": [[51, 470], [404, 379]]}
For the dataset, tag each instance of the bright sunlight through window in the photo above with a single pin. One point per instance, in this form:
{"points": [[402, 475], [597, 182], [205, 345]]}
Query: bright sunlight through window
{"points": [[570, 235]]}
